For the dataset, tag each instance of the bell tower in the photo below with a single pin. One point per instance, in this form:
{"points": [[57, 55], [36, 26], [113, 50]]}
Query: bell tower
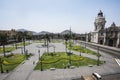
{"points": [[99, 21]]}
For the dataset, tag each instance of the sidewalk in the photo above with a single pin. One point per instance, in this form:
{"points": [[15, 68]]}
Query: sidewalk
{"points": [[23, 71]]}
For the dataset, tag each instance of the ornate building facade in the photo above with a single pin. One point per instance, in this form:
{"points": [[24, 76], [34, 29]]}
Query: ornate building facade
{"points": [[106, 36]]}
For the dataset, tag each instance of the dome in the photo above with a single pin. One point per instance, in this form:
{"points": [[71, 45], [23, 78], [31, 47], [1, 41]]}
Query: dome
{"points": [[113, 25]]}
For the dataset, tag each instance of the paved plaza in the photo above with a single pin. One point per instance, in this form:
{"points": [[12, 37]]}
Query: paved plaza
{"points": [[25, 70]]}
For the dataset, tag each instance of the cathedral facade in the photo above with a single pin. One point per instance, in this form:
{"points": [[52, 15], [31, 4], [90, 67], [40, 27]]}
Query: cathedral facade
{"points": [[105, 36]]}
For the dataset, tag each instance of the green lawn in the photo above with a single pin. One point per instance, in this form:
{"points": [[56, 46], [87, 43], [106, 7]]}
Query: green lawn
{"points": [[83, 50], [21, 44], [60, 60], [51, 41], [7, 49], [11, 61], [80, 48], [56, 40]]}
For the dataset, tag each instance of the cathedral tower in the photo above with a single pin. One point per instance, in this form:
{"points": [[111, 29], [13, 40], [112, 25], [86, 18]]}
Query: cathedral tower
{"points": [[99, 21]]}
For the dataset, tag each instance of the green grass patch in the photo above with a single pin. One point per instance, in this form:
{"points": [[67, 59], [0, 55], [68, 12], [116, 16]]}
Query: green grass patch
{"points": [[51, 41], [12, 61], [68, 43], [80, 48], [60, 60], [56, 40], [83, 50], [21, 44], [7, 49], [39, 41]]}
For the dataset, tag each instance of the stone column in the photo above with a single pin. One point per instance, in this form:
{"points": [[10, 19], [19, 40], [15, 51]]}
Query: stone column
{"points": [[104, 42], [118, 40]]}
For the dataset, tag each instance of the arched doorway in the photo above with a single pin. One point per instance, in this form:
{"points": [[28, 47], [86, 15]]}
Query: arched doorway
{"points": [[110, 42], [101, 41]]}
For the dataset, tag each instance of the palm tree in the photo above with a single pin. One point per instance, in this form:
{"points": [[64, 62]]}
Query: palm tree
{"points": [[58, 36], [15, 38], [47, 38], [28, 35], [21, 38], [66, 37], [52, 36], [3, 40], [24, 35]]}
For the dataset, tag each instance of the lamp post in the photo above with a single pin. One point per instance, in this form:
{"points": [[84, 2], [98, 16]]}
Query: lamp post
{"points": [[70, 40], [21, 50], [24, 43], [80, 48], [26, 53], [98, 56], [69, 62], [54, 48], [40, 60], [66, 45], [39, 55], [1, 65], [41, 64], [85, 39]]}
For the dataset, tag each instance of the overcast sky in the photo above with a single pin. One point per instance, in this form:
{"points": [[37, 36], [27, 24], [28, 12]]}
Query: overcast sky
{"points": [[56, 15]]}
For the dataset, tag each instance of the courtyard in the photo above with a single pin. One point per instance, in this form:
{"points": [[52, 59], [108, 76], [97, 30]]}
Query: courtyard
{"points": [[25, 71]]}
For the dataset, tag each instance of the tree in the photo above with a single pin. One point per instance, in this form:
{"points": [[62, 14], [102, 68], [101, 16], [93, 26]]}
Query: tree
{"points": [[15, 40], [52, 36], [3, 40], [66, 37], [24, 34], [22, 38], [58, 36], [19, 36], [47, 39], [28, 35]]}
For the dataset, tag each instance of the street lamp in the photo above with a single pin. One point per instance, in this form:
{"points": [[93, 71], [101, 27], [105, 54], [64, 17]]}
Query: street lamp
{"points": [[21, 50], [1, 62], [86, 39], [24, 44], [54, 48], [39, 55], [69, 63], [26, 53], [98, 56], [41, 63], [66, 45], [40, 60], [70, 46], [80, 48]]}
